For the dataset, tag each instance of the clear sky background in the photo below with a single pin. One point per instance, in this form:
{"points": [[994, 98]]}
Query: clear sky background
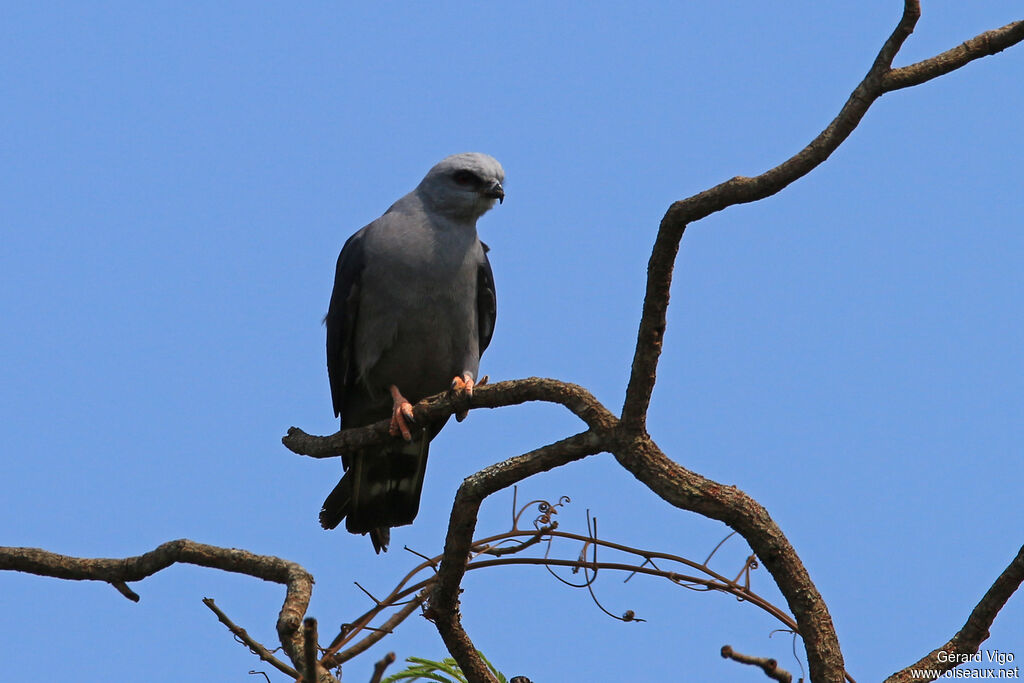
{"points": [[176, 181]]}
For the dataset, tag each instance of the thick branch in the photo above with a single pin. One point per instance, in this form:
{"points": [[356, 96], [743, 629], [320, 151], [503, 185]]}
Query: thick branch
{"points": [[513, 392], [880, 78], [117, 572], [690, 491], [969, 638], [443, 608]]}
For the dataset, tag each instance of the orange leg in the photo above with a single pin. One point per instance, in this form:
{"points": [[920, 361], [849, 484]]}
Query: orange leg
{"points": [[401, 412]]}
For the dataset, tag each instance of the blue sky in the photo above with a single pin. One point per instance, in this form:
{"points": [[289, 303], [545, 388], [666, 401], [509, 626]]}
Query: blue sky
{"points": [[177, 181]]}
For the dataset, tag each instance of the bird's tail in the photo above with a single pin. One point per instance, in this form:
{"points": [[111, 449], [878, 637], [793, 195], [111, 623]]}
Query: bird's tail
{"points": [[381, 489]]}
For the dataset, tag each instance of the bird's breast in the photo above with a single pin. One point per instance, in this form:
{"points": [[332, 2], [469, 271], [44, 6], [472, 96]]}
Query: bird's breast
{"points": [[417, 321]]}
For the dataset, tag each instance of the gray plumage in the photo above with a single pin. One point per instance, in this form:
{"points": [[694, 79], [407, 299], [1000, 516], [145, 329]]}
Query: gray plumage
{"points": [[413, 307]]}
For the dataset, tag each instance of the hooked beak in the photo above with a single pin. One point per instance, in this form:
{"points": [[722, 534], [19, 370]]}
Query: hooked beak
{"points": [[495, 191]]}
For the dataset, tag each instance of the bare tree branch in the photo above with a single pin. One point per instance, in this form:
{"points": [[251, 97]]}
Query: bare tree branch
{"points": [[769, 666], [443, 608], [969, 638], [513, 392], [298, 582]]}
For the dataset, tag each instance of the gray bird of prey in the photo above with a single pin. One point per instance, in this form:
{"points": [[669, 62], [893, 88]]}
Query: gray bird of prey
{"points": [[413, 307]]}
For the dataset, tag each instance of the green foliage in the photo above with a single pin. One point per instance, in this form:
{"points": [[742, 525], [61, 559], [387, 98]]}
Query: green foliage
{"points": [[445, 671]]}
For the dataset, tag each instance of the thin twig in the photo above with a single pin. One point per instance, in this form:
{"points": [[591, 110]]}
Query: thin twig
{"points": [[368, 593], [254, 645], [715, 549], [532, 540], [420, 555], [331, 660], [769, 666]]}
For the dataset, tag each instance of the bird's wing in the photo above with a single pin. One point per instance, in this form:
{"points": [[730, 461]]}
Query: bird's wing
{"points": [[486, 302], [341, 319]]}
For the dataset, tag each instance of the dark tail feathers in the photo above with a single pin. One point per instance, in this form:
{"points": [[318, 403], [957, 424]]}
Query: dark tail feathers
{"points": [[381, 489]]}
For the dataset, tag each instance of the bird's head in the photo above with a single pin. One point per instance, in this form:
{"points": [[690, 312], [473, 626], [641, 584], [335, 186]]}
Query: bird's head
{"points": [[464, 186]]}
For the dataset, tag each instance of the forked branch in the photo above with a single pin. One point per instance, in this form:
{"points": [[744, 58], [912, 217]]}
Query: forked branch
{"points": [[642, 457], [443, 607], [881, 78]]}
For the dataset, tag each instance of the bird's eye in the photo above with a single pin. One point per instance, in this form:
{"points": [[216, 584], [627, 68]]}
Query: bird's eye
{"points": [[465, 178]]}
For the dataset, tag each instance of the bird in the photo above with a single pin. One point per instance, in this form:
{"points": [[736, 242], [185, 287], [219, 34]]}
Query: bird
{"points": [[412, 309]]}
